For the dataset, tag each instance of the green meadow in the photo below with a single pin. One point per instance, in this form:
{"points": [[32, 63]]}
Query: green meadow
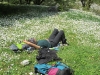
{"points": [[82, 30]]}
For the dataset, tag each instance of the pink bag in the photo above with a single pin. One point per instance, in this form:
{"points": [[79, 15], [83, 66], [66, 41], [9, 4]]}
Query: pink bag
{"points": [[52, 71]]}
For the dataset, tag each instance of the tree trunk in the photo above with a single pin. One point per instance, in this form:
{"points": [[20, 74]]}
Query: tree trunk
{"points": [[20, 1], [28, 1], [38, 2], [83, 3], [8, 1], [89, 2]]}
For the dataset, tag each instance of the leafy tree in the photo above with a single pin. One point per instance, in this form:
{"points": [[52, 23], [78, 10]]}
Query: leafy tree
{"points": [[96, 1], [65, 4], [62, 5]]}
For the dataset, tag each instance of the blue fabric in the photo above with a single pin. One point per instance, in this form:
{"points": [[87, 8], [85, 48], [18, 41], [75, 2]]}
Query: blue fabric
{"points": [[42, 68], [56, 47], [61, 66]]}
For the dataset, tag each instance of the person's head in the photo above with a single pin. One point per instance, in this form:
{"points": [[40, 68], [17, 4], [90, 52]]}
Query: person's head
{"points": [[32, 40]]}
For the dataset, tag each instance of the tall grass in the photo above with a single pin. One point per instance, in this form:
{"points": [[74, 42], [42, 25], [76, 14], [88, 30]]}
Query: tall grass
{"points": [[82, 30]]}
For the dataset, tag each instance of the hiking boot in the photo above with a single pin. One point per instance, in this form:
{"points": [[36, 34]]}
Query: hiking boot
{"points": [[64, 42]]}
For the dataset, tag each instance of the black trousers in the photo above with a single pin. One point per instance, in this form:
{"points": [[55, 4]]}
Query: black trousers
{"points": [[56, 37]]}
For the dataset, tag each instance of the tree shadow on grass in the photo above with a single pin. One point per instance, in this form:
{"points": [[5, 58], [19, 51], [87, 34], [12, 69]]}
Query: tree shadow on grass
{"points": [[16, 12]]}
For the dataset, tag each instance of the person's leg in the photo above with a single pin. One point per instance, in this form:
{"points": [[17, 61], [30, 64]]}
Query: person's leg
{"points": [[60, 37], [53, 35]]}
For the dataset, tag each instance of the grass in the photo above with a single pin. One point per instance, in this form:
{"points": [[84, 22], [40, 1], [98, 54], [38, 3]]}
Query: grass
{"points": [[82, 30]]}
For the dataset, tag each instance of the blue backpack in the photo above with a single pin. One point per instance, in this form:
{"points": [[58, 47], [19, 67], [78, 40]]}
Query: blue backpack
{"points": [[42, 68], [58, 69], [60, 65]]}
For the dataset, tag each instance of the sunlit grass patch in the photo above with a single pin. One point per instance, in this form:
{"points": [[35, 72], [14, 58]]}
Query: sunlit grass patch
{"points": [[83, 16]]}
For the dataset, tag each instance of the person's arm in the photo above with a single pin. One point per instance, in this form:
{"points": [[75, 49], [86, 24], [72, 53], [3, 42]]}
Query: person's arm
{"points": [[31, 44]]}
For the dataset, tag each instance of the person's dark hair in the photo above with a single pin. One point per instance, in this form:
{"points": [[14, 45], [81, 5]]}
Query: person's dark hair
{"points": [[32, 40]]}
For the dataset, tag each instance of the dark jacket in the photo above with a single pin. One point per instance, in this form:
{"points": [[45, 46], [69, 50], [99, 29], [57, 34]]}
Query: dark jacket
{"points": [[45, 55]]}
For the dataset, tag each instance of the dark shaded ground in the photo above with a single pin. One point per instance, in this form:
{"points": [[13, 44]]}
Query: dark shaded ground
{"points": [[6, 9], [18, 12]]}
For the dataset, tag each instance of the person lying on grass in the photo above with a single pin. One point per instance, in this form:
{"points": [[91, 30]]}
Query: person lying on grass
{"points": [[52, 41]]}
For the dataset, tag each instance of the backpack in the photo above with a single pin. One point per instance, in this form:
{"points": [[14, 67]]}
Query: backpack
{"points": [[46, 55], [58, 69], [20, 47], [14, 47], [42, 68], [17, 47]]}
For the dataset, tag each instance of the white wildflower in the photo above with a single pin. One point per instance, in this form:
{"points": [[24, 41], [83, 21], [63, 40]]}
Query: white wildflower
{"points": [[31, 73]]}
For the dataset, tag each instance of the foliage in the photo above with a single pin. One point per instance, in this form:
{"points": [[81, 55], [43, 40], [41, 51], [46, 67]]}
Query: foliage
{"points": [[14, 1], [96, 1], [7, 9], [61, 4]]}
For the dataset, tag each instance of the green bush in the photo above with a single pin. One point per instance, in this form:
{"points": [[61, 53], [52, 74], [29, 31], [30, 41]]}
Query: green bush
{"points": [[61, 4]]}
